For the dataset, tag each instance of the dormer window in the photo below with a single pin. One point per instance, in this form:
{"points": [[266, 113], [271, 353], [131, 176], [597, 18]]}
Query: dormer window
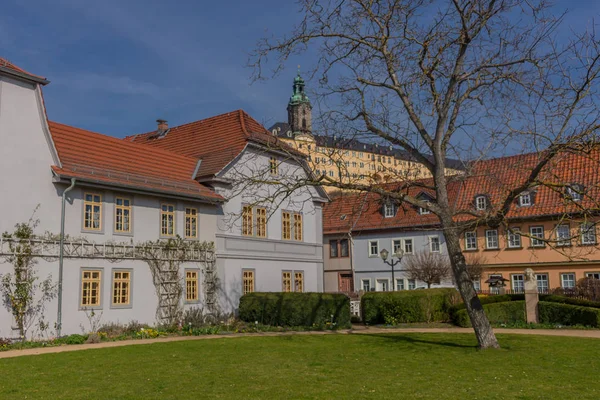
{"points": [[389, 210], [574, 192], [525, 199], [424, 211], [480, 203]]}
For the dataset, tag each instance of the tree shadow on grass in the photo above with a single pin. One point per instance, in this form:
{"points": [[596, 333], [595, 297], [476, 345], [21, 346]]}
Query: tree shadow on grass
{"points": [[409, 338]]}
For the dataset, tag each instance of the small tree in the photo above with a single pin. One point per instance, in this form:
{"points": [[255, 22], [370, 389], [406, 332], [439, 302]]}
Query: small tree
{"points": [[589, 288], [428, 267], [475, 264], [24, 295]]}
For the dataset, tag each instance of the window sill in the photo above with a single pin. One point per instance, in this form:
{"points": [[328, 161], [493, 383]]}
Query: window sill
{"points": [[122, 233], [119, 307], [471, 250], [492, 249], [89, 308], [588, 244], [536, 247], [514, 248]]}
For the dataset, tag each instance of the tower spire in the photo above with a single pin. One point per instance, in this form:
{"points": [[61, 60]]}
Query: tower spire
{"points": [[299, 108]]}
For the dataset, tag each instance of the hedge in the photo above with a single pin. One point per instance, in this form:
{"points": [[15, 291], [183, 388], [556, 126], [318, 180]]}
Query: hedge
{"points": [[497, 313], [567, 314], [406, 306], [569, 300], [296, 309]]}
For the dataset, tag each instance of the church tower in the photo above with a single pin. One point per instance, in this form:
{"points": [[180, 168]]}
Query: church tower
{"points": [[299, 109]]}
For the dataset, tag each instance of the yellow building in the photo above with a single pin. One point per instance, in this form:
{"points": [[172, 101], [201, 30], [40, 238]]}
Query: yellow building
{"points": [[344, 159]]}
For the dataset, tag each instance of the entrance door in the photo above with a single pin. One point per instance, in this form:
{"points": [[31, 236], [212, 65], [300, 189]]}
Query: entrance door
{"points": [[346, 283]]}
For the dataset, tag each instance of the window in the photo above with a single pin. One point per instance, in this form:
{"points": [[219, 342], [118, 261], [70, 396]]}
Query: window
{"points": [[491, 239], [593, 275], [373, 248], [273, 166], [396, 246], [247, 221], [480, 203], [525, 199], [247, 281], [382, 285], [537, 236], [261, 222], [344, 248], [286, 281], [408, 246], [412, 284], [333, 249], [494, 289], [122, 215], [542, 283], [588, 233], [399, 284], [574, 192], [563, 235], [389, 210], [471, 240], [518, 283], [191, 286], [424, 211], [92, 211], [366, 285], [299, 281], [514, 238], [90, 288], [167, 220], [191, 223], [567, 281], [434, 244], [286, 225], [121, 288], [298, 227], [477, 285]]}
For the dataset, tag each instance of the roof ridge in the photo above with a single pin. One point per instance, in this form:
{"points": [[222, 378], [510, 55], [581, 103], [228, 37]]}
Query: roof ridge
{"points": [[157, 150]]}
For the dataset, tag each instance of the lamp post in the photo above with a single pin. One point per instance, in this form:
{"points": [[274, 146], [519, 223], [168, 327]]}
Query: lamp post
{"points": [[392, 263]]}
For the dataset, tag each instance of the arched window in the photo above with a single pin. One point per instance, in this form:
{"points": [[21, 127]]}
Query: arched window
{"points": [[304, 123]]}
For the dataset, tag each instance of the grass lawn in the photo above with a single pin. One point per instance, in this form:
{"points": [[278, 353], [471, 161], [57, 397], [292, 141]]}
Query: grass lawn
{"points": [[407, 366]]}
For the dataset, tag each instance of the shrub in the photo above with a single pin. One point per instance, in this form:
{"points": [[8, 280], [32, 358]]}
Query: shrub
{"points": [[75, 339], [296, 309], [507, 312], [567, 314], [569, 300], [501, 298], [428, 305]]}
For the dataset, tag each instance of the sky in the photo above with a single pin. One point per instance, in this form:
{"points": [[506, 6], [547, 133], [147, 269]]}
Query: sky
{"points": [[117, 66]]}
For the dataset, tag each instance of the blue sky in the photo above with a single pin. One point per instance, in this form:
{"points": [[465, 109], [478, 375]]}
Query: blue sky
{"points": [[117, 66]]}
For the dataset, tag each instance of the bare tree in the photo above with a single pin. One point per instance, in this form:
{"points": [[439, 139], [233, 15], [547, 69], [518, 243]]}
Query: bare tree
{"points": [[467, 79], [475, 264], [428, 267]]}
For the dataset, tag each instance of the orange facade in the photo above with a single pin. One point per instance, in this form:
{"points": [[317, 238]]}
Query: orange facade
{"points": [[560, 252]]}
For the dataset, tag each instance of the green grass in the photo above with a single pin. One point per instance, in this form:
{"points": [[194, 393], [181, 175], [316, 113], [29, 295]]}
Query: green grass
{"points": [[409, 366]]}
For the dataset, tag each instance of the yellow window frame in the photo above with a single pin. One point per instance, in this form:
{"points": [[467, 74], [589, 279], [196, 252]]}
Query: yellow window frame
{"points": [[121, 294], [247, 221], [191, 286], [286, 225], [261, 222], [122, 214], [298, 227], [191, 223], [92, 211], [286, 281], [167, 214], [247, 281], [299, 281], [91, 288], [273, 166]]}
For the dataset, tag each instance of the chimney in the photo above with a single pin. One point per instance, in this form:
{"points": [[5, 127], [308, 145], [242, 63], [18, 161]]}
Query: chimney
{"points": [[162, 125]]}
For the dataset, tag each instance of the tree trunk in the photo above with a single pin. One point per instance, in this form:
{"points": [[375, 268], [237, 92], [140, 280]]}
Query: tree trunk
{"points": [[481, 325]]}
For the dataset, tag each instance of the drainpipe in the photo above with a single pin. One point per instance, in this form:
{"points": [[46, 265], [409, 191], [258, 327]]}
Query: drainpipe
{"points": [[60, 257]]}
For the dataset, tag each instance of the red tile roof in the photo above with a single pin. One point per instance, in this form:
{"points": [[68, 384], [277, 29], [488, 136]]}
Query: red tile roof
{"points": [[216, 140], [495, 178], [104, 159], [363, 211], [7, 64]]}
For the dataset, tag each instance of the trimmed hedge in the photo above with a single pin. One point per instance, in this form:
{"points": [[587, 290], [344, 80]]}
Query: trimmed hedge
{"points": [[407, 306], [497, 313], [569, 300], [296, 309], [567, 314]]}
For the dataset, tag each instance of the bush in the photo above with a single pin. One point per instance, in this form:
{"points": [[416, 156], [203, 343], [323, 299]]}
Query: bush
{"points": [[567, 314], [500, 298], [296, 309], [508, 312], [569, 300], [428, 305]]}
